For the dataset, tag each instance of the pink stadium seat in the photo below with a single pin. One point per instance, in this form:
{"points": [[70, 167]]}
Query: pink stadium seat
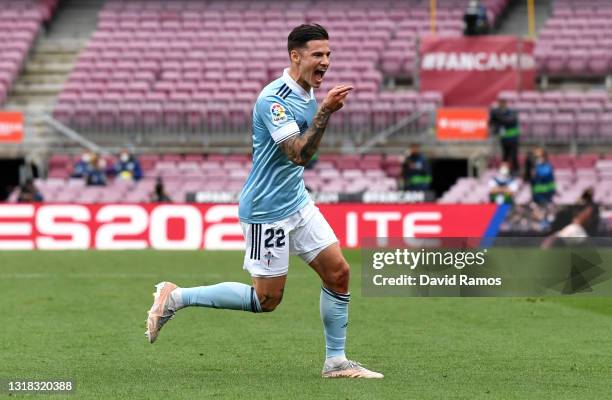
{"points": [[606, 125], [564, 126], [587, 125], [163, 58], [541, 125]]}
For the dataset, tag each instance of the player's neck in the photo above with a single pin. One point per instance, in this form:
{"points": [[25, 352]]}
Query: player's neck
{"points": [[295, 75]]}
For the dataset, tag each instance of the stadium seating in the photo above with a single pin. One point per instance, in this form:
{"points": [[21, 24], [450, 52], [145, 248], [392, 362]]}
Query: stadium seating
{"points": [[572, 174], [215, 173], [180, 65], [561, 116], [576, 40], [19, 25]]}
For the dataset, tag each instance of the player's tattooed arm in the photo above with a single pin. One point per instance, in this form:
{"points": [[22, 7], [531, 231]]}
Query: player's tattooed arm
{"points": [[300, 149]]}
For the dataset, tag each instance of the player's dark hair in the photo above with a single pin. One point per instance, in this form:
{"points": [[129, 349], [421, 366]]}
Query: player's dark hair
{"points": [[300, 35]]}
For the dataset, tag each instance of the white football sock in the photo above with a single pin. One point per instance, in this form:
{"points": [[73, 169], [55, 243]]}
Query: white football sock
{"points": [[176, 299], [335, 361]]}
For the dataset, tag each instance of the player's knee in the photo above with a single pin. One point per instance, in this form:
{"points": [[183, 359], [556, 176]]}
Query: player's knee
{"points": [[270, 304], [269, 301], [340, 277], [269, 307]]}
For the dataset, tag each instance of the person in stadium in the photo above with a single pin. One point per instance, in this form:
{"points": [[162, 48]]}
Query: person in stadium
{"points": [[81, 168], [29, 193], [543, 186], [504, 122], [416, 172], [159, 194], [96, 174], [128, 167], [579, 220], [587, 202], [475, 18], [276, 213], [503, 186], [572, 234]]}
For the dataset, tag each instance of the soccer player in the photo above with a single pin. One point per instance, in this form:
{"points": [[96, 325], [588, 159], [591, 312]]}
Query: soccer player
{"points": [[276, 213]]}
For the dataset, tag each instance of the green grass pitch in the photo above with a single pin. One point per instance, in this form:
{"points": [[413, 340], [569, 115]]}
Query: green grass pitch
{"points": [[81, 315]]}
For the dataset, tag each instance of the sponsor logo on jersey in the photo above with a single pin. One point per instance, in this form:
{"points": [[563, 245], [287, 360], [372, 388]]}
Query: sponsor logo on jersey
{"points": [[278, 114]]}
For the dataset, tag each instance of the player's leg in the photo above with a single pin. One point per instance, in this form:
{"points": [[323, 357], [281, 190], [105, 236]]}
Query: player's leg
{"points": [[315, 242], [268, 267], [269, 291], [263, 296], [334, 272], [268, 283], [169, 298]]}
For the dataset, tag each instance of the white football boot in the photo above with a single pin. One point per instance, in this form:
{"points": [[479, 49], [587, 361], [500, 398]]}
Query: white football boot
{"points": [[162, 310], [347, 369]]}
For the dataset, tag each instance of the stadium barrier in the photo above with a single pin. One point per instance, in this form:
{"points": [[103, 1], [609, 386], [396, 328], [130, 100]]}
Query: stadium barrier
{"points": [[386, 197], [216, 227]]}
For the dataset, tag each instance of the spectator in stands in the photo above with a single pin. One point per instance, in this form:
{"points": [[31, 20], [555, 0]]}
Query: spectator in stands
{"points": [[475, 18], [505, 123], [586, 202], [586, 211], [503, 186], [542, 178], [416, 172], [97, 173], [128, 167], [81, 168], [574, 233], [159, 195], [29, 193]]}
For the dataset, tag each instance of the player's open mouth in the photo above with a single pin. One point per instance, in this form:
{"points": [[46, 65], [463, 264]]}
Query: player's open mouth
{"points": [[319, 74]]}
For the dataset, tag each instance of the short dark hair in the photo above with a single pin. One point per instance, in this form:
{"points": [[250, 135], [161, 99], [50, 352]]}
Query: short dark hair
{"points": [[300, 35]]}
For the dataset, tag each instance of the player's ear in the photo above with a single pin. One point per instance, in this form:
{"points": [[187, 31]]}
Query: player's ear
{"points": [[295, 56]]}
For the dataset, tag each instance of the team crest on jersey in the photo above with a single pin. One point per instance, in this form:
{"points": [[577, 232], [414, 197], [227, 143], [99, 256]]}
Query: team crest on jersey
{"points": [[278, 114]]}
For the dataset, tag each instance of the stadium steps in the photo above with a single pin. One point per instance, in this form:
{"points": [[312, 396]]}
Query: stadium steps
{"points": [[516, 22], [54, 55], [75, 19], [45, 72], [47, 68], [36, 89]]}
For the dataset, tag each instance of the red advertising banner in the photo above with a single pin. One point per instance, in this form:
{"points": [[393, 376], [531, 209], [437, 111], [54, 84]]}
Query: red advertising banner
{"points": [[11, 127], [471, 71], [216, 227], [462, 123]]}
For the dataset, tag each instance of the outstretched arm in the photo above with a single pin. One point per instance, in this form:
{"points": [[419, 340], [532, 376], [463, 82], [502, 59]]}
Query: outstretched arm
{"points": [[300, 148]]}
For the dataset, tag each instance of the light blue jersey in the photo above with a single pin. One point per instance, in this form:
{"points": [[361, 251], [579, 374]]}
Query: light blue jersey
{"points": [[275, 187]]}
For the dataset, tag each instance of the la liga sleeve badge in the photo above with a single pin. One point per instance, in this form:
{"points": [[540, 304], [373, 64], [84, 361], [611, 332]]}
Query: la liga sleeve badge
{"points": [[278, 114]]}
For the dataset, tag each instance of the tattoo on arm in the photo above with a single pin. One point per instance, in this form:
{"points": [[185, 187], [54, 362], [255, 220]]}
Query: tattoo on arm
{"points": [[300, 149]]}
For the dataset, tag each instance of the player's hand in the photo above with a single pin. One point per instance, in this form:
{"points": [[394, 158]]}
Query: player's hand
{"points": [[335, 97]]}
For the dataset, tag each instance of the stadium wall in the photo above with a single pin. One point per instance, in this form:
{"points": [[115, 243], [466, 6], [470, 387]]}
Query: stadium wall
{"points": [[216, 227]]}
